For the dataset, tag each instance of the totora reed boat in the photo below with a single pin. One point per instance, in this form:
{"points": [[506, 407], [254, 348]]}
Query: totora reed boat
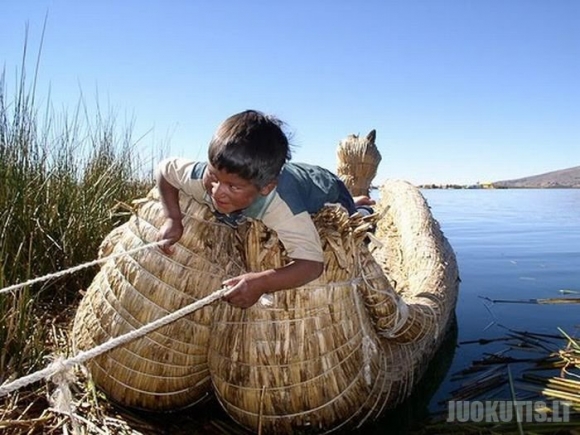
{"points": [[327, 356]]}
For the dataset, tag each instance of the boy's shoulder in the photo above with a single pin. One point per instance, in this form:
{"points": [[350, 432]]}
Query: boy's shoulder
{"points": [[197, 170], [305, 169], [306, 175], [185, 175], [306, 187]]}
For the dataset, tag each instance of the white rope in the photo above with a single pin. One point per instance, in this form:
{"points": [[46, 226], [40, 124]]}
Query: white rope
{"points": [[79, 267], [86, 355]]}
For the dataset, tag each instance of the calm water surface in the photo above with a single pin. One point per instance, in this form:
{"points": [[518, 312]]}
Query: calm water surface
{"points": [[510, 245]]}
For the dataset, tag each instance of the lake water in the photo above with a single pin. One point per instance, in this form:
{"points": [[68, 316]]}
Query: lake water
{"points": [[510, 245]]}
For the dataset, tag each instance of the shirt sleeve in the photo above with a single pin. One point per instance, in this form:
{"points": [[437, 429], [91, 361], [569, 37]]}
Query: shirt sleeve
{"points": [[177, 172], [296, 232]]}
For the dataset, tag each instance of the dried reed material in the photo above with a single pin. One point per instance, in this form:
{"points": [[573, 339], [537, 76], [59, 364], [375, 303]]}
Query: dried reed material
{"points": [[309, 360], [312, 360], [358, 160], [166, 369], [392, 316], [421, 267], [415, 255]]}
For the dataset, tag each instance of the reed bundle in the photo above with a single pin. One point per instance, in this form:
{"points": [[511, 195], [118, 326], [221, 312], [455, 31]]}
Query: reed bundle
{"points": [[358, 160], [416, 259], [166, 369], [336, 352], [310, 360]]}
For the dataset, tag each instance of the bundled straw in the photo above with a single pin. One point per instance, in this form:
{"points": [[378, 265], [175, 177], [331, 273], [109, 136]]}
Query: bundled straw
{"points": [[421, 267], [358, 160], [166, 369], [312, 360], [415, 255]]}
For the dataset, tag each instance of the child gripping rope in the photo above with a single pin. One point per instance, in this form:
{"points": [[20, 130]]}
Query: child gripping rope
{"points": [[248, 175]]}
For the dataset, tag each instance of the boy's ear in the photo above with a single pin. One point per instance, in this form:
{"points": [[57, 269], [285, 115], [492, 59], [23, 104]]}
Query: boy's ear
{"points": [[268, 187]]}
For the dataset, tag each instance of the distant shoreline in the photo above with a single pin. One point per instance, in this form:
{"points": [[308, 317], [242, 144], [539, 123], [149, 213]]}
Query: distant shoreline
{"points": [[488, 187], [563, 179]]}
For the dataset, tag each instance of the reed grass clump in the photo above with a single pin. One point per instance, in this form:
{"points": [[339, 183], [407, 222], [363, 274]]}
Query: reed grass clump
{"points": [[62, 179]]}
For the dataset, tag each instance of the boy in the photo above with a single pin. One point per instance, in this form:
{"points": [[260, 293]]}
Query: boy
{"points": [[247, 175]]}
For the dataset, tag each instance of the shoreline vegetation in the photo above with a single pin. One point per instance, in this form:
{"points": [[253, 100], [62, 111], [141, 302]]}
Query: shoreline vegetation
{"points": [[66, 181]]}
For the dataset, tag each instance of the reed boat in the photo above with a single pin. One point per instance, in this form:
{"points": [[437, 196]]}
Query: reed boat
{"points": [[325, 357]]}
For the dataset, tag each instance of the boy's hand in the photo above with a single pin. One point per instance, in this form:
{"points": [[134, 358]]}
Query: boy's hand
{"points": [[244, 292], [363, 200], [171, 231]]}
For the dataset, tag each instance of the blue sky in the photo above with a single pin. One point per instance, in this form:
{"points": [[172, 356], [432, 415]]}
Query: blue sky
{"points": [[458, 90]]}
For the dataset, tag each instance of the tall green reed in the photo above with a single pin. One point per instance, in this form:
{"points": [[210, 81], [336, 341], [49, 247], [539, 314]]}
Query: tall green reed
{"points": [[62, 178]]}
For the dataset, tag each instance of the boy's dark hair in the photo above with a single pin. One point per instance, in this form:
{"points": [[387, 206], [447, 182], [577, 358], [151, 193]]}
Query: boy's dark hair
{"points": [[251, 145]]}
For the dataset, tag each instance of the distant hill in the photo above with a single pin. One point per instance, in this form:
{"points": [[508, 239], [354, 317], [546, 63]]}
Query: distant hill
{"points": [[564, 178]]}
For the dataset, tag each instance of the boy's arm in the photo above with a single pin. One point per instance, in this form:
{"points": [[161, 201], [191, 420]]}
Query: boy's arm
{"points": [[172, 228], [248, 288], [363, 200], [299, 236], [169, 196]]}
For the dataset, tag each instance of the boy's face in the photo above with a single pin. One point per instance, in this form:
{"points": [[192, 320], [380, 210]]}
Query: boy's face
{"points": [[229, 192]]}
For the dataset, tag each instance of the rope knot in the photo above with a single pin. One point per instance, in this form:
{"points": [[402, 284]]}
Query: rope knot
{"points": [[63, 371], [63, 375]]}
